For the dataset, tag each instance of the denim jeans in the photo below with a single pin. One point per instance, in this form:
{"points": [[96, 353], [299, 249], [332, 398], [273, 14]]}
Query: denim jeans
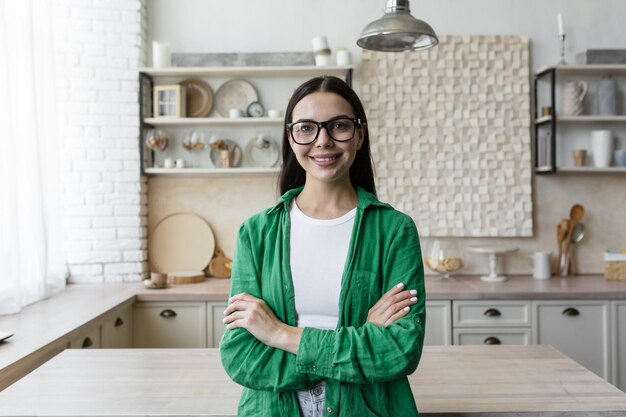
{"points": [[312, 400]]}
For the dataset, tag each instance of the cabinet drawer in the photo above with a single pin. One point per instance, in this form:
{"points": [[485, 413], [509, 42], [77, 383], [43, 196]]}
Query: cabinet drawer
{"points": [[491, 313], [498, 336], [169, 325]]}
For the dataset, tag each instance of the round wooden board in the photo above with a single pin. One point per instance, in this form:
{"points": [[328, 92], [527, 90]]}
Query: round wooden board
{"points": [[181, 242]]}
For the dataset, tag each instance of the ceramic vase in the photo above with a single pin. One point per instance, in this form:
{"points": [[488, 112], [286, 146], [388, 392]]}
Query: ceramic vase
{"points": [[607, 97], [602, 147], [573, 97]]}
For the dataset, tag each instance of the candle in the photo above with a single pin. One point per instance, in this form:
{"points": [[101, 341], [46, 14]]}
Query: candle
{"points": [[560, 21]]}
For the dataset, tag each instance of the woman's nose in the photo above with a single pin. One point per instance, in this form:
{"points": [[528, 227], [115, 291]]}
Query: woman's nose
{"points": [[323, 139]]}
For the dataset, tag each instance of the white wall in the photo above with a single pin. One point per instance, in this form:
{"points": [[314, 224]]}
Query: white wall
{"points": [[288, 25], [99, 45]]}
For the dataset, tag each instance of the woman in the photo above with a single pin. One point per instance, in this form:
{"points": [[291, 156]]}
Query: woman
{"points": [[326, 315]]}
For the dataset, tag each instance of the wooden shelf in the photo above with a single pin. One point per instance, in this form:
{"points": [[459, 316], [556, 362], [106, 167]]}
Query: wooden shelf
{"points": [[591, 170], [584, 69], [274, 71], [217, 172], [581, 119], [186, 121]]}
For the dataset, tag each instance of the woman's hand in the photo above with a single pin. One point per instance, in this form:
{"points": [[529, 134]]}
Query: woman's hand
{"points": [[254, 315], [393, 305]]}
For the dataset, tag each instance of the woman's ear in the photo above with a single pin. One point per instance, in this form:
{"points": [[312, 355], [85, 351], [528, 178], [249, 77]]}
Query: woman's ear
{"points": [[361, 136]]}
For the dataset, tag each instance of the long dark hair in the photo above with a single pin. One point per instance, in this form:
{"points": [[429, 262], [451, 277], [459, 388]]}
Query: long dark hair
{"points": [[292, 175]]}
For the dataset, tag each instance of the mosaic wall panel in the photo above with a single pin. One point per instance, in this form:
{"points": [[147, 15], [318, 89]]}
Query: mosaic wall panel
{"points": [[450, 134]]}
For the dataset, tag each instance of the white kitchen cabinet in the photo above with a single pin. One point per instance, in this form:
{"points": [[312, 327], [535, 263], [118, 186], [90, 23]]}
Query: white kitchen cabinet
{"points": [[117, 331], [491, 313], [215, 328], [438, 323], [89, 340], [491, 322], [492, 336], [619, 343], [577, 328], [170, 325]]}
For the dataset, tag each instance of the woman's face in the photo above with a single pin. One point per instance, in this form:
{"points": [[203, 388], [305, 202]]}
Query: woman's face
{"points": [[324, 159]]}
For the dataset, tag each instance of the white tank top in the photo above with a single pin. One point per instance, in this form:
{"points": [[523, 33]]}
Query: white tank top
{"points": [[318, 253]]}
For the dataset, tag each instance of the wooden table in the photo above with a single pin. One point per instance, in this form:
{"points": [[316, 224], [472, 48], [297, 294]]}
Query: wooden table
{"points": [[451, 380]]}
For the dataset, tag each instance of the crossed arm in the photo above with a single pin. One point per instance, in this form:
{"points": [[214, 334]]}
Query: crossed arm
{"points": [[261, 352]]}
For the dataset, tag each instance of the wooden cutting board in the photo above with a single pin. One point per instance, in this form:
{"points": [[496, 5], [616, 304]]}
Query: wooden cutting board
{"points": [[181, 242], [186, 277]]}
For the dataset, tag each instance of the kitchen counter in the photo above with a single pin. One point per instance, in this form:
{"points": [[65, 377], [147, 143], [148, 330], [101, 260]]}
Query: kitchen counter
{"points": [[43, 329], [457, 380]]}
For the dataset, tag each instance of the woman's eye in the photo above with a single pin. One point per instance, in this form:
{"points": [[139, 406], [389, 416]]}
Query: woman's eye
{"points": [[340, 125]]}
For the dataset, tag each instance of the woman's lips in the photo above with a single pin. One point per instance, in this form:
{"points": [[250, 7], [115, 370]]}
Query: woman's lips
{"points": [[324, 160]]}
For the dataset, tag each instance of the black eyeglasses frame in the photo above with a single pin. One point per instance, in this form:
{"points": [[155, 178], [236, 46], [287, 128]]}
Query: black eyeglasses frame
{"points": [[320, 125]]}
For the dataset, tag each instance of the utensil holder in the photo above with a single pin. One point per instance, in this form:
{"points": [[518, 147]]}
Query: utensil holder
{"points": [[227, 157]]}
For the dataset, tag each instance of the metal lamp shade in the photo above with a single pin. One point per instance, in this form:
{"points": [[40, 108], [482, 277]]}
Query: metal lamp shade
{"points": [[397, 31]]}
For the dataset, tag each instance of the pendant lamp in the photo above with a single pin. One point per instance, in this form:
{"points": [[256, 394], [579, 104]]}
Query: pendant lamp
{"points": [[397, 31]]}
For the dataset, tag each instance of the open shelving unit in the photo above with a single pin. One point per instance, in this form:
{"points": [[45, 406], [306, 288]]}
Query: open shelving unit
{"points": [[552, 74], [147, 77]]}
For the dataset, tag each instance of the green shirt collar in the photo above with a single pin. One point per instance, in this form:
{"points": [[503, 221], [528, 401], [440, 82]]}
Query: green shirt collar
{"points": [[365, 199]]}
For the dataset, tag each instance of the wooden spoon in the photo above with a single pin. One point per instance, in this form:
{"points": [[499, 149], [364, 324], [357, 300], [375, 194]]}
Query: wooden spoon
{"points": [[575, 214]]}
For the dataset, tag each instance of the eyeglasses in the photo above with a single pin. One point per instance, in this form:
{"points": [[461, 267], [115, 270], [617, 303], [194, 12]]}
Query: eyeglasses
{"points": [[340, 129]]}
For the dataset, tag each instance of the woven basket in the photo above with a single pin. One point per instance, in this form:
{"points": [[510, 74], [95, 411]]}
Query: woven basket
{"points": [[615, 270]]}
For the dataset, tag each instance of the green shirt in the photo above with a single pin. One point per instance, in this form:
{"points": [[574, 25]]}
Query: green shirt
{"points": [[365, 366]]}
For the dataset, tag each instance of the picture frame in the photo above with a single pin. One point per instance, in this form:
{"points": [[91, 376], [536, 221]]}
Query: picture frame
{"points": [[169, 101]]}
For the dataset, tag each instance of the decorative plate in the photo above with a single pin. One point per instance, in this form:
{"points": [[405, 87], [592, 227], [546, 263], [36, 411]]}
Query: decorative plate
{"points": [[217, 160], [262, 152], [234, 94], [199, 98], [181, 242]]}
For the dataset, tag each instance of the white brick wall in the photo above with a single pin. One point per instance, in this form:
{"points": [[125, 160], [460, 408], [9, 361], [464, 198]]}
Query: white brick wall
{"points": [[100, 44]]}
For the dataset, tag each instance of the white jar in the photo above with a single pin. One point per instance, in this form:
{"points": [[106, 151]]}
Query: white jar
{"points": [[602, 147]]}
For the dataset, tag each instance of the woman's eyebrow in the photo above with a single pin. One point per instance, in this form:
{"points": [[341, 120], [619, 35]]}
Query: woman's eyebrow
{"points": [[340, 116]]}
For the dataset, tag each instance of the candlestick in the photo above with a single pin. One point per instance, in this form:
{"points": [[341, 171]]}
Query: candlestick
{"points": [[562, 38]]}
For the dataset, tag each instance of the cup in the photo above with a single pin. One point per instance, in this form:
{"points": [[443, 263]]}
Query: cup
{"points": [[546, 111], [180, 163], [322, 60], [602, 147], [161, 55], [274, 113], [580, 156], [235, 113], [343, 57], [227, 157], [168, 163], [541, 265], [158, 278], [620, 157]]}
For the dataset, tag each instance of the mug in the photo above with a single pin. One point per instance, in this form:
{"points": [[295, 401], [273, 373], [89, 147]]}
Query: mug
{"points": [[180, 163], [235, 113], [168, 163], [158, 278], [541, 265], [580, 156], [274, 113]]}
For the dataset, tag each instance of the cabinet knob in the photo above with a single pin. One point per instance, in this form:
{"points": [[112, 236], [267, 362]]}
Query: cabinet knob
{"points": [[119, 322], [492, 341], [492, 312], [571, 311], [87, 342], [168, 313]]}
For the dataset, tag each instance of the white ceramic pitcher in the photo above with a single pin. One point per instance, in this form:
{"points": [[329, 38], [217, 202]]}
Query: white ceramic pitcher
{"points": [[573, 97]]}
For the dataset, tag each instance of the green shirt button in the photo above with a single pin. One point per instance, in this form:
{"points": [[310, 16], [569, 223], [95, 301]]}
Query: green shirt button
{"points": [[329, 409], [314, 367]]}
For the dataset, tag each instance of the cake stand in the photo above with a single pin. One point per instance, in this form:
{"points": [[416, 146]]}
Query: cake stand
{"points": [[493, 252]]}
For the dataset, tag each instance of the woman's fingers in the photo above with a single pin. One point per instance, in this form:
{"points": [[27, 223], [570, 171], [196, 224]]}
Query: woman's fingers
{"points": [[403, 312]]}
